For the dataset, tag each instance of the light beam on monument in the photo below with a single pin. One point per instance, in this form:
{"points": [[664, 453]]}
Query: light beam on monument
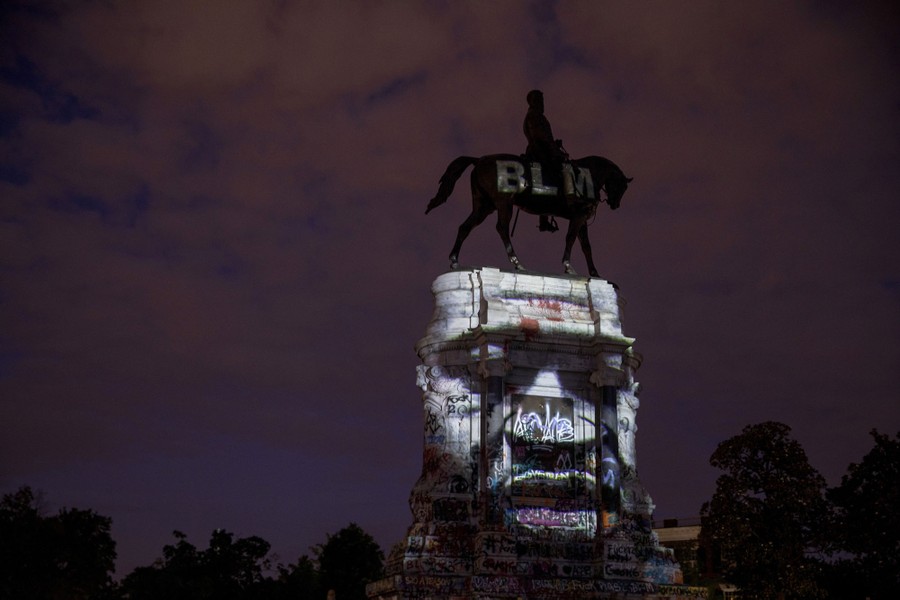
{"points": [[528, 484]]}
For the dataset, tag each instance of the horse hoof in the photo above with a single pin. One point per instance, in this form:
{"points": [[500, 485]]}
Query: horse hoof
{"points": [[454, 264], [515, 261], [569, 270]]}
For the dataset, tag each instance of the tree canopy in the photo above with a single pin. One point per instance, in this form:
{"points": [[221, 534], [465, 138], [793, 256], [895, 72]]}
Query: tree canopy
{"points": [[71, 556], [229, 570], [867, 524], [768, 514], [242, 569], [348, 561], [67, 556]]}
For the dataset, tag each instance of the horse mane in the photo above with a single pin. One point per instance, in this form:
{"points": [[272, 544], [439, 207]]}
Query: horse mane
{"points": [[603, 160]]}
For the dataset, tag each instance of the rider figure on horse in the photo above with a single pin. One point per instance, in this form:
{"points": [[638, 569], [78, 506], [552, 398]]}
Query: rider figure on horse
{"points": [[543, 147]]}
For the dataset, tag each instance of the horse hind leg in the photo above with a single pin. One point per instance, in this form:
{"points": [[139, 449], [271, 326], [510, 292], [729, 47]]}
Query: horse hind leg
{"points": [[586, 249], [473, 220], [571, 234]]}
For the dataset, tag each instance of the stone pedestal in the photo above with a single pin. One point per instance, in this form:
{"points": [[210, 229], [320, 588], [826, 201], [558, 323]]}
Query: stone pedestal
{"points": [[529, 485]]}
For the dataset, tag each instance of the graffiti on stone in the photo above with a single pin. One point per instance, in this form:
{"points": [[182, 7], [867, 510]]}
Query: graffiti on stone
{"points": [[450, 509], [680, 591], [495, 565], [433, 423], [550, 517], [499, 543], [429, 582], [621, 552], [382, 585], [458, 406], [561, 586], [495, 585], [436, 565], [627, 587], [554, 549], [576, 570], [621, 571]]}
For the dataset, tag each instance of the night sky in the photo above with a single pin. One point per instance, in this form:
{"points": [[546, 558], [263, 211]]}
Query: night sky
{"points": [[215, 263]]}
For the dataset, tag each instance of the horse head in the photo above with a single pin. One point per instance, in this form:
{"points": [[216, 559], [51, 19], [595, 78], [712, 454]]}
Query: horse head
{"points": [[616, 185]]}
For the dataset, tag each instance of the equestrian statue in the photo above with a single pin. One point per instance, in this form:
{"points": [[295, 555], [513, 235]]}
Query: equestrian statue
{"points": [[543, 182]]}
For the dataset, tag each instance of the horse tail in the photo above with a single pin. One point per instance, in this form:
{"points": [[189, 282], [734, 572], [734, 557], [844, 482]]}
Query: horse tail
{"points": [[448, 180]]}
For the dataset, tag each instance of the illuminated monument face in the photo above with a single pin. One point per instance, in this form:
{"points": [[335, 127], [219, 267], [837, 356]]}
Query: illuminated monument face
{"points": [[529, 485]]}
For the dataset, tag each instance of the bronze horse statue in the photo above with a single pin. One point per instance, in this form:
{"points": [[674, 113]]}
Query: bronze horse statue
{"points": [[502, 181]]}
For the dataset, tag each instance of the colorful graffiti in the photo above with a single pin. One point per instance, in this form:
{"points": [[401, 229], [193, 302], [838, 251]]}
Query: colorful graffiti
{"points": [[509, 498], [531, 429], [543, 447]]}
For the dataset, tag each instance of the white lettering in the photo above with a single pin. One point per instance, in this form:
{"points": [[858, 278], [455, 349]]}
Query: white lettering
{"points": [[510, 177], [537, 182], [582, 182]]}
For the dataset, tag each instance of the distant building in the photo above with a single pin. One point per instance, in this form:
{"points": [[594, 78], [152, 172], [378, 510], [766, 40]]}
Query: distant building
{"points": [[701, 565]]}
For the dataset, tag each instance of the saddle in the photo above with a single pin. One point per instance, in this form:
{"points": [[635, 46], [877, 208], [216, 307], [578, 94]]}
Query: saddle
{"points": [[552, 174]]}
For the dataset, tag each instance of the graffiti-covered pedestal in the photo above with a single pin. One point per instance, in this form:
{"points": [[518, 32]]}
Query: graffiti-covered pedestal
{"points": [[529, 485]]}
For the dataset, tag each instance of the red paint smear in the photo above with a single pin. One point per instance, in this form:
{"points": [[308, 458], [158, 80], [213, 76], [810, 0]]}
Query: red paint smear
{"points": [[529, 327], [551, 305]]}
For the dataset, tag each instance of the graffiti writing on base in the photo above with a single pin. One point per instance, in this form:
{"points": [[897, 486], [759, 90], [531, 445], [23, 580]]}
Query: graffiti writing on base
{"points": [[458, 406], [621, 571], [628, 587], [562, 586], [683, 591], [565, 550], [498, 543], [534, 428], [543, 448], [437, 565], [551, 517], [388, 584], [433, 423], [431, 585], [505, 585], [502, 566], [620, 552], [495, 585]]}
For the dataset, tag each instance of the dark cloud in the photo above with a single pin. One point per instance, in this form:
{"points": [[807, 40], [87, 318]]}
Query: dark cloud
{"points": [[215, 263]]}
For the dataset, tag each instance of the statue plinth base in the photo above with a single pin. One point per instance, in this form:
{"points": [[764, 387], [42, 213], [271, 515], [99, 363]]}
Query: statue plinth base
{"points": [[529, 484]]}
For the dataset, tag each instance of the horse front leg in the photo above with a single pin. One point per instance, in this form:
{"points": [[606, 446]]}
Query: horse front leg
{"points": [[504, 216], [586, 248]]}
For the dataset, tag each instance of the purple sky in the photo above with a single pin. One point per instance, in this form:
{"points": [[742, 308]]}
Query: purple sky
{"points": [[214, 261]]}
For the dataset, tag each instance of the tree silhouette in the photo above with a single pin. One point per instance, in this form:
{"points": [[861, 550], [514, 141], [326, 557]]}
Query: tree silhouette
{"points": [[68, 556], [299, 581], [867, 504], [348, 561], [228, 570], [768, 514]]}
